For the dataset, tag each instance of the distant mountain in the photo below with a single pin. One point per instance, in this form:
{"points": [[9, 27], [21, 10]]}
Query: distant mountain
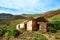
{"points": [[5, 16], [16, 17]]}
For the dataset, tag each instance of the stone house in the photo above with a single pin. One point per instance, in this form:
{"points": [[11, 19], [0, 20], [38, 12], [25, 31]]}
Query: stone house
{"points": [[38, 24], [34, 25]]}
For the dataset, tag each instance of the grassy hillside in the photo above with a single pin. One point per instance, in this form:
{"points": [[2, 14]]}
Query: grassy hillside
{"points": [[50, 14], [56, 17], [32, 15]]}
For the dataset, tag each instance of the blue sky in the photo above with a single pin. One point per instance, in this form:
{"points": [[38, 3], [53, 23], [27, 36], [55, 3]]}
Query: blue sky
{"points": [[28, 6]]}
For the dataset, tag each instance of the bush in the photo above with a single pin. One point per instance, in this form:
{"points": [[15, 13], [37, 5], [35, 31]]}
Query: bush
{"points": [[51, 29], [14, 32], [35, 39], [8, 33], [2, 31], [42, 38], [56, 24], [55, 27]]}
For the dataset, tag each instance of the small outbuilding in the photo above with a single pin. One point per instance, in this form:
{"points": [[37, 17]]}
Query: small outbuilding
{"points": [[40, 24]]}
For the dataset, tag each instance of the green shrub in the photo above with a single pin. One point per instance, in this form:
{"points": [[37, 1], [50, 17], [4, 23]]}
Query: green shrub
{"points": [[2, 31], [14, 32], [51, 29], [8, 33], [56, 26], [35, 39]]}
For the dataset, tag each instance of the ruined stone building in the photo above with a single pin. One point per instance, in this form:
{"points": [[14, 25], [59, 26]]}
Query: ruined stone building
{"points": [[34, 25], [40, 23]]}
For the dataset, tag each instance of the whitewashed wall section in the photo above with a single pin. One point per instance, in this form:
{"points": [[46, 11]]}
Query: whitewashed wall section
{"points": [[29, 25], [18, 26]]}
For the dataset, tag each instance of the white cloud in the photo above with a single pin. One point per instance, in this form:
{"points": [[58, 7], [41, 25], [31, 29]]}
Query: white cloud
{"points": [[2, 11], [9, 12], [24, 3], [18, 3], [29, 5]]}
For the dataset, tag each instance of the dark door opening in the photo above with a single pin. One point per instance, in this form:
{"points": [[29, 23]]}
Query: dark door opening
{"points": [[37, 26], [25, 26]]}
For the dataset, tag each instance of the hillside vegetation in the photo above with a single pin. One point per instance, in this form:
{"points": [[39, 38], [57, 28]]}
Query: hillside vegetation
{"points": [[56, 17], [50, 14], [56, 20], [8, 27]]}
